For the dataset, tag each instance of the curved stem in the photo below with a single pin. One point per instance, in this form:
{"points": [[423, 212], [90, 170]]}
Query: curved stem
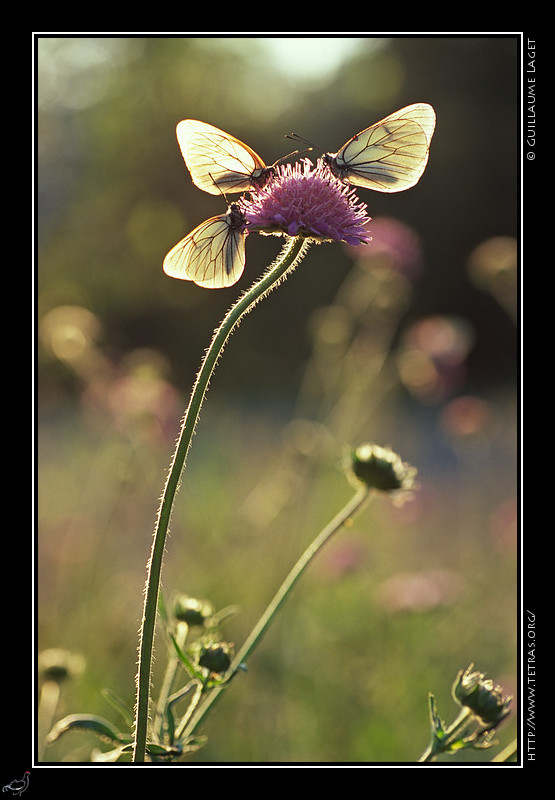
{"points": [[48, 703], [285, 263], [356, 503]]}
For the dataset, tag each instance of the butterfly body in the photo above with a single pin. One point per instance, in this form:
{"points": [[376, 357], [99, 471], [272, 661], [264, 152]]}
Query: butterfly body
{"points": [[213, 254], [389, 156]]}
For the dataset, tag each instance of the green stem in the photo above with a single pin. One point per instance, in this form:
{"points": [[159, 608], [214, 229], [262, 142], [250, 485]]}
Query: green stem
{"points": [[48, 703], [453, 733], [286, 262], [199, 691], [508, 753], [167, 684], [345, 515]]}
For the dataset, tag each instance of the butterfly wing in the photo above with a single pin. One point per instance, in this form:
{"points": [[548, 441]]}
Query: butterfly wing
{"points": [[218, 162], [212, 255], [391, 155], [421, 113]]}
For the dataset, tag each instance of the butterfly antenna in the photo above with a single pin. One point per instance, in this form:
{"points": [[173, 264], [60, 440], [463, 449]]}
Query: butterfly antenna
{"points": [[293, 153], [297, 138]]}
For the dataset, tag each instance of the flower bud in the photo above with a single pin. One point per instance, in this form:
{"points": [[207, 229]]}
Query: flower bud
{"points": [[216, 657], [193, 611], [59, 665], [482, 697], [380, 468]]}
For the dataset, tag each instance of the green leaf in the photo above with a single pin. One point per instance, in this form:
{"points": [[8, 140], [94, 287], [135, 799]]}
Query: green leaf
{"points": [[162, 751], [90, 724], [185, 660], [170, 723], [223, 615], [162, 607], [438, 728]]}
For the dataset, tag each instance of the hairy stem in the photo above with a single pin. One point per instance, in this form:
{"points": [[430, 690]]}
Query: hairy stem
{"points": [[284, 264]]}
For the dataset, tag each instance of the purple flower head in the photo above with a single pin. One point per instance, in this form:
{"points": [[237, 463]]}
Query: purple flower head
{"points": [[301, 199]]}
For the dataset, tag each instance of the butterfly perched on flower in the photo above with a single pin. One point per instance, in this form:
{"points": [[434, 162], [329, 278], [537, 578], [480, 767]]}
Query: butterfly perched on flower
{"points": [[218, 162], [213, 254], [389, 156]]}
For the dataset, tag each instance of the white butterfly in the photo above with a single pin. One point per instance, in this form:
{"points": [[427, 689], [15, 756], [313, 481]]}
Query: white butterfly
{"points": [[213, 254], [390, 155], [218, 162]]}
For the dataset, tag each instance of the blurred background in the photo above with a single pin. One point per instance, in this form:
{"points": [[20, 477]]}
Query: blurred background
{"points": [[409, 342]]}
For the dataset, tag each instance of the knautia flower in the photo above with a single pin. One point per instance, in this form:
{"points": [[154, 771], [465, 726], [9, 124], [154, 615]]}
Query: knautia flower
{"points": [[307, 200], [299, 200]]}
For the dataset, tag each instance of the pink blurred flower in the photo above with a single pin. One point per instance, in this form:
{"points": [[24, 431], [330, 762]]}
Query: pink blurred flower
{"points": [[431, 360], [465, 416], [419, 591], [397, 243]]}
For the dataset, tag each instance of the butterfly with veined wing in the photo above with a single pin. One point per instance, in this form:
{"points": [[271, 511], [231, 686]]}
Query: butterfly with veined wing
{"points": [[218, 162], [389, 156], [213, 254]]}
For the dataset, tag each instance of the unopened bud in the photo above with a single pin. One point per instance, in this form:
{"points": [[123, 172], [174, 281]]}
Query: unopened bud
{"points": [[59, 665], [216, 657], [193, 611], [380, 468], [482, 697]]}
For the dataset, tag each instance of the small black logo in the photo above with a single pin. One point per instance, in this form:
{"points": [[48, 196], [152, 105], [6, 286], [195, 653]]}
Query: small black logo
{"points": [[17, 787]]}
